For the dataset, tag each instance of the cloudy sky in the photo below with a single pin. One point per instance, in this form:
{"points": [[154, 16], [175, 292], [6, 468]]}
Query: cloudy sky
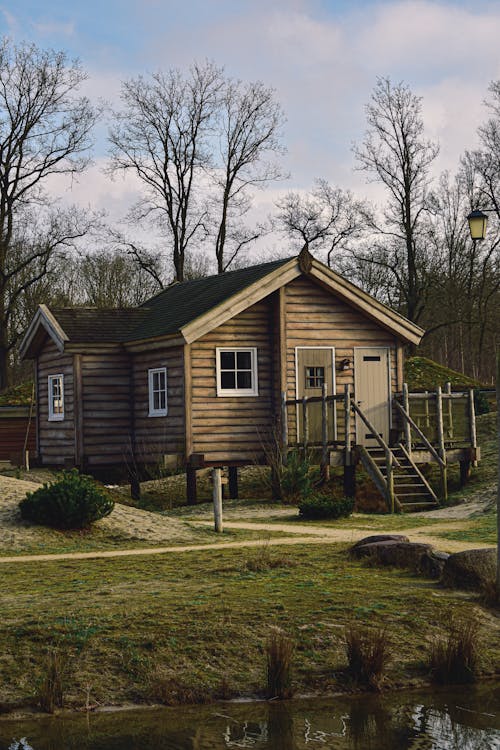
{"points": [[321, 56]]}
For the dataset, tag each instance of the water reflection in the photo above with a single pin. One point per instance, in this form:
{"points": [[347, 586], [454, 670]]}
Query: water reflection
{"points": [[441, 721]]}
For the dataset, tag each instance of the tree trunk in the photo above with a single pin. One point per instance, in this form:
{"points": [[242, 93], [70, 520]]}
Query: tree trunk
{"points": [[498, 477]]}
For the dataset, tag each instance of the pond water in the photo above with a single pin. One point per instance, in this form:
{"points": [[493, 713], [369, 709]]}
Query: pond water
{"points": [[465, 719]]}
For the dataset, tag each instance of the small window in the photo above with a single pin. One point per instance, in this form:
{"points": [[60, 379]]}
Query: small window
{"points": [[315, 377], [157, 392], [56, 398], [237, 372]]}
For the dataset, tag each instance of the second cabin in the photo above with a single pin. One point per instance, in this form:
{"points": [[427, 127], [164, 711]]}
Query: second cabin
{"points": [[204, 373]]}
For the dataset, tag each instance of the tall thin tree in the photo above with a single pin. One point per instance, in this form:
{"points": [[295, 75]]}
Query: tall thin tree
{"points": [[44, 130]]}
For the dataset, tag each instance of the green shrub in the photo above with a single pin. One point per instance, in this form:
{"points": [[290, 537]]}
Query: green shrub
{"points": [[481, 403], [368, 653], [322, 506], [295, 477], [74, 501]]}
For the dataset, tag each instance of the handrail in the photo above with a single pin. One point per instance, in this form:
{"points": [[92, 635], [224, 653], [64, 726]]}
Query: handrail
{"points": [[380, 440], [417, 470], [385, 484], [420, 434], [315, 399]]}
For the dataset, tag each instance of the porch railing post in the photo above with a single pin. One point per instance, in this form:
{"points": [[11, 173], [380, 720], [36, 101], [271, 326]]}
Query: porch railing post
{"points": [[347, 436], [390, 480], [450, 410], [442, 449], [284, 429], [406, 424], [325, 467], [305, 424], [472, 426]]}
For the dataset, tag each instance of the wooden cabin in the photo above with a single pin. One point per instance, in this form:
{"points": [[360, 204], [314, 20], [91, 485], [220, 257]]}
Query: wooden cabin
{"points": [[209, 372]]}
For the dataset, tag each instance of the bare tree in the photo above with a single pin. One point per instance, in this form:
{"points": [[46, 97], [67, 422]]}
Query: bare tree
{"points": [[396, 153], [111, 279], [325, 218], [248, 124], [161, 136], [44, 130]]}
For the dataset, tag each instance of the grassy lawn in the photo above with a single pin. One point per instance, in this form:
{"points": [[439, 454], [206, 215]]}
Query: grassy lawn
{"points": [[200, 620], [60, 542]]}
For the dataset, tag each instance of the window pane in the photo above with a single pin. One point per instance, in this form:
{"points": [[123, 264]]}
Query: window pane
{"points": [[227, 360], [244, 379], [156, 400], [227, 380], [244, 360], [163, 399]]}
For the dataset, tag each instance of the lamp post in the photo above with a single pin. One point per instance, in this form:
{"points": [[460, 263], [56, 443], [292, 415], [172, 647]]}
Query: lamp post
{"points": [[478, 221]]}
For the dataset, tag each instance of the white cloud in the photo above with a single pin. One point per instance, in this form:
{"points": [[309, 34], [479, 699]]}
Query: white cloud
{"points": [[54, 28]]}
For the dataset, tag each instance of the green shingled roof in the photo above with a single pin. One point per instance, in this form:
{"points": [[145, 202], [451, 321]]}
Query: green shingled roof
{"points": [[164, 314]]}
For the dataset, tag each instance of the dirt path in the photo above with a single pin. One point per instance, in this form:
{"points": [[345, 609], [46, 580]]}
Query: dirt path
{"points": [[133, 523], [315, 535]]}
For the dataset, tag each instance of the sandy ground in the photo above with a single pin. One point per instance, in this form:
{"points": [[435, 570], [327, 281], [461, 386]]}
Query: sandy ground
{"points": [[124, 522]]}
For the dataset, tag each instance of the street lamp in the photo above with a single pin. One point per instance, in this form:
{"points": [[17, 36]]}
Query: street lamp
{"points": [[477, 224]]}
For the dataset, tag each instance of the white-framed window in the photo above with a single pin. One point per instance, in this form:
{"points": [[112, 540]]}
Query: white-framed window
{"points": [[56, 397], [237, 371], [157, 379]]}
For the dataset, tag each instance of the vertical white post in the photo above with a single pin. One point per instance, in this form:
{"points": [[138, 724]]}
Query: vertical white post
{"points": [[325, 468], [472, 419], [284, 429], [347, 436], [217, 495], [406, 426]]}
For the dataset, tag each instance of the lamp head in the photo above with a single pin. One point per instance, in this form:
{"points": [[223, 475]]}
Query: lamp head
{"points": [[477, 224]]}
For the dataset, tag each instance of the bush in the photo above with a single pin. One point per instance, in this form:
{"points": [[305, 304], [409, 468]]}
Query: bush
{"points": [[322, 506], [279, 655], [368, 653], [481, 403], [453, 659], [72, 502], [295, 479]]}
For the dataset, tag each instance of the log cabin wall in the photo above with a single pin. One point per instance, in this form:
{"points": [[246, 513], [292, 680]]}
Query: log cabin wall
{"points": [[233, 428], [314, 315], [105, 412], [158, 436], [56, 439]]}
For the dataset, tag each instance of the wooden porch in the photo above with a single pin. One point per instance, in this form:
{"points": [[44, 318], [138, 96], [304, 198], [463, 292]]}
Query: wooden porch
{"points": [[436, 427]]}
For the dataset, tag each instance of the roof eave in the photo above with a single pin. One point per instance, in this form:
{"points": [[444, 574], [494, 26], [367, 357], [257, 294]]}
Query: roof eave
{"points": [[403, 328], [45, 319], [240, 301]]}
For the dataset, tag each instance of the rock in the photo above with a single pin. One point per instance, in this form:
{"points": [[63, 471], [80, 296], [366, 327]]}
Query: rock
{"points": [[396, 553], [432, 564], [471, 569], [379, 538]]}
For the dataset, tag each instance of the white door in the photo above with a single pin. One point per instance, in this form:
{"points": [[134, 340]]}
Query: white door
{"points": [[372, 392]]}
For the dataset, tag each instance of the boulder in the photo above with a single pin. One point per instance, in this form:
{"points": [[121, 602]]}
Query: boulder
{"points": [[432, 565], [400, 554], [472, 569], [379, 538]]}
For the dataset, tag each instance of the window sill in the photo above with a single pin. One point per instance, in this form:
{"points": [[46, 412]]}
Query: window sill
{"points": [[162, 413], [237, 394], [56, 418]]}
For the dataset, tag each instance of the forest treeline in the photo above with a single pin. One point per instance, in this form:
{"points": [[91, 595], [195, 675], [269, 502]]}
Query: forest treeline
{"points": [[200, 145]]}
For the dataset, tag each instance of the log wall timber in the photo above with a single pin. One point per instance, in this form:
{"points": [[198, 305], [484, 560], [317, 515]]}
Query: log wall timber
{"points": [[229, 428], [313, 315], [56, 439], [157, 436], [105, 408]]}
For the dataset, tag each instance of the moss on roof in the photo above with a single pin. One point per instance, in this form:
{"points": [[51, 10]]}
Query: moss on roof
{"points": [[17, 395], [165, 313], [424, 374]]}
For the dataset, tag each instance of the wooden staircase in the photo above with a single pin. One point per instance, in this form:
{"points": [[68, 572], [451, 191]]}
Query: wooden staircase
{"points": [[410, 489]]}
